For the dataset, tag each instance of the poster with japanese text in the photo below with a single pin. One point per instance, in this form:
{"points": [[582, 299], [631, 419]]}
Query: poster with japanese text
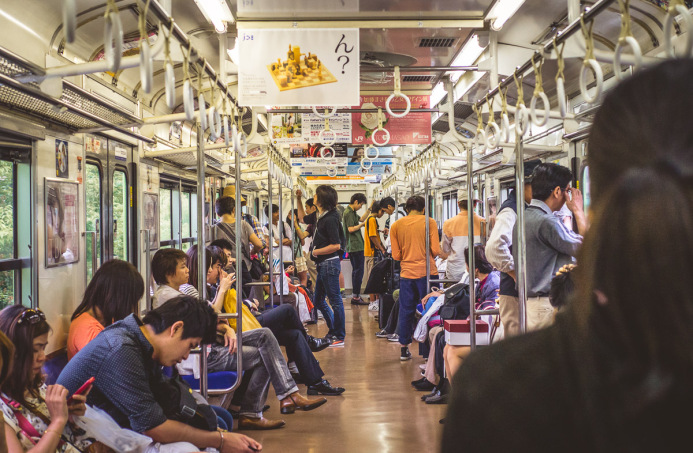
{"points": [[413, 129], [313, 150], [62, 222], [286, 128], [340, 128], [298, 67]]}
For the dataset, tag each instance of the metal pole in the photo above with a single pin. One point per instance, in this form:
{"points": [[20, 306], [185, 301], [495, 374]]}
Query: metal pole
{"points": [[147, 270], [346, 110], [239, 274], [470, 244], [520, 246], [419, 68], [201, 259], [280, 230], [180, 214], [293, 230], [271, 238], [428, 238]]}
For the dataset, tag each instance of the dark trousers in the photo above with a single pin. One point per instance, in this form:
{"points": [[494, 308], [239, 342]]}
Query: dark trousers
{"points": [[328, 286], [289, 332], [357, 263], [411, 291], [391, 326]]}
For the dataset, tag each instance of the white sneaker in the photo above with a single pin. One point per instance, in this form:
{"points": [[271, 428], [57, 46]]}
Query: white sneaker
{"points": [[373, 306]]}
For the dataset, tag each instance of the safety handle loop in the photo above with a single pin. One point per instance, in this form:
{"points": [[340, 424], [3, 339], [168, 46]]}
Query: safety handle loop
{"points": [[398, 94], [480, 137], [331, 171], [367, 155], [590, 64], [505, 118], [201, 104], [385, 132], [146, 63], [188, 94], [113, 37], [560, 79], [626, 39], [366, 163], [243, 144], [327, 152], [677, 7], [69, 20], [325, 141], [539, 94], [328, 113], [169, 72], [213, 117]]}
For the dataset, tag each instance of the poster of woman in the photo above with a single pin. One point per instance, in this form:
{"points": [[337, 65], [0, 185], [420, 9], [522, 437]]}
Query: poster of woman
{"points": [[62, 222], [151, 218]]}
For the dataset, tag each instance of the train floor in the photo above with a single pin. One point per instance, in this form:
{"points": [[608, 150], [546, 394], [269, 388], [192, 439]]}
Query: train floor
{"points": [[379, 412]]}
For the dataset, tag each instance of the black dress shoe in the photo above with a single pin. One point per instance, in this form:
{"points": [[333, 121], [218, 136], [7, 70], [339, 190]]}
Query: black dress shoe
{"points": [[324, 388], [423, 385], [318, 344]]}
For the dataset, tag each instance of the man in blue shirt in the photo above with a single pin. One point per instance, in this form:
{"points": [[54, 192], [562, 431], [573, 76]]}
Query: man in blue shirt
{"points": [[549, 244], [126, 360]]}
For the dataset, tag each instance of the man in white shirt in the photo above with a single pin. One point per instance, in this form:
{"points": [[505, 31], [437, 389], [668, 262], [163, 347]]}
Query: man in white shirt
{"points": [[456, 237]]}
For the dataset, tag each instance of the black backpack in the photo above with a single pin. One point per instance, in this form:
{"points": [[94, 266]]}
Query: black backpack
{"points": [[456, 304], [178, 403]]}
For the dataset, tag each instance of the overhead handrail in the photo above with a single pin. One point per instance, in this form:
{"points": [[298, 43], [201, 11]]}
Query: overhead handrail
{"points": [[521, 113], [327, 114], [146, 63], [69, 20], [590, 63], [492, 129], [398, 94], [113, 37], [539, 94], [380, 128], [560, 80], [626, 39], [677, 7]]}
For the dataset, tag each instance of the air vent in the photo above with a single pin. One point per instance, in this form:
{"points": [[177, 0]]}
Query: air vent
{"points": [[417, 78], [437, 42]]}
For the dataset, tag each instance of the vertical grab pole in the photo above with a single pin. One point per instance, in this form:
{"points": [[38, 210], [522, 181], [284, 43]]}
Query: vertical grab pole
{"points": [[239, 273], [201, 271], [520, 247], [293, 229], [147, 270], [428, 238], [180, 214], [271, 237], [470, 245], [280, 230]]}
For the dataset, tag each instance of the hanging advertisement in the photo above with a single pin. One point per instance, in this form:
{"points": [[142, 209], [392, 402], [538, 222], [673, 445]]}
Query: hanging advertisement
{"points": [[151, 218], [413, 129], [304, 67], [286, 128], [340, 128], [319, 162], [356, 154], [345, 179], [61, 207], [378, 169], [312, 150]]}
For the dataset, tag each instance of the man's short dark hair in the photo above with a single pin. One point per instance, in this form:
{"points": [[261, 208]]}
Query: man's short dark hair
{"points": [[309, 203], [361, 198], [546, 177], [327, 197], [480, 261], [376, 207], [199, 319], [387, 201], [225, 205], [165, 262], [415, 203], [275, 208], [223, 244]]}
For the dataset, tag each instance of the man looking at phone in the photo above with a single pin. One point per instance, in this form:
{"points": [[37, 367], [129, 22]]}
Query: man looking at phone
{"points": [[126, 360]]}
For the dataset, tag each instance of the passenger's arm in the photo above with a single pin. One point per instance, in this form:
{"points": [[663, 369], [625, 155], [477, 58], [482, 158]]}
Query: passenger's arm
{"points": [[225, 283], [256, 241], [394, 242], [559, 238], [365, 215], [355, 228], [172, 431], [446, 247], [576, 207], [56, 401], [498, 245], [299, 206], [326, 250], [433, 238]]}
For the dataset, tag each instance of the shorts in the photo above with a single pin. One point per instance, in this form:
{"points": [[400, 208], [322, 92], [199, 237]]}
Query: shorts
{"points": [[301, 265]]}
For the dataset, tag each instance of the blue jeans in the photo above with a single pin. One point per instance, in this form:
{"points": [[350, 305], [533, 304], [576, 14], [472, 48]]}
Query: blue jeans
{"points": [[356, 259], [328, 285], [411, 291]]}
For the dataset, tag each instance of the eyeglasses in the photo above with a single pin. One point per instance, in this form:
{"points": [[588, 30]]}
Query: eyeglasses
{"points": [[32, 316]]}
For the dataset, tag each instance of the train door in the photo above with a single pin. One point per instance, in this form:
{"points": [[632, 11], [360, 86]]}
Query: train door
{"points": [[109, 201]]}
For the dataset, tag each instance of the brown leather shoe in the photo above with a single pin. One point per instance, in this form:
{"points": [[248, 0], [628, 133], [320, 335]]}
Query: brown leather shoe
{"points": [[245, 422], [297, 401]]}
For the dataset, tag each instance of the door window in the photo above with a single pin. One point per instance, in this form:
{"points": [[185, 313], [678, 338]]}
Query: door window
{"points": [[93, 214], [120, 215]]}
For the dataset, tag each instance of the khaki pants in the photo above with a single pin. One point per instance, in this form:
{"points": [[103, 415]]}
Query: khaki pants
{"points": [[540, 313], [510, 315], [430, 372], [368, 263], [312, 270]]}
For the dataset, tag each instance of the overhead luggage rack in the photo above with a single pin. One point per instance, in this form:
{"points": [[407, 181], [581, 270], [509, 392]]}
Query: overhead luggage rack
{"points": [[75, 110]]}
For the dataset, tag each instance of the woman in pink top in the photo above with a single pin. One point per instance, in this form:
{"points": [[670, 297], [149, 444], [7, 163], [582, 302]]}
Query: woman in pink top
{"points": [[113, 294]]}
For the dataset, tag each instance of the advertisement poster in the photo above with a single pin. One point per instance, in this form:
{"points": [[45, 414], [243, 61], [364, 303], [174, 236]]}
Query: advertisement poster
{"points": [[340, 124], [286, 128], [319, 162], [61, 167], [312, 150], [379, 170], [345, 179], [413, 129], [151, 218], [298, 67], [94, 144], [356, 154], [62, 222]]}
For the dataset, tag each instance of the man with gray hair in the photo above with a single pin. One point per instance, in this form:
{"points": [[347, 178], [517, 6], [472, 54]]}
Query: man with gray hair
{"points": [[456, 237]]}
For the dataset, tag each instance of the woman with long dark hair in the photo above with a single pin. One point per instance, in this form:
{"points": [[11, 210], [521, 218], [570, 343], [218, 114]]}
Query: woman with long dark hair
{"points": [[113, 293], [614, 372], [36, 416]]}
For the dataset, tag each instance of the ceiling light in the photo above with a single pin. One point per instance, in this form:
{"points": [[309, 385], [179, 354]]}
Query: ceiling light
{"points": [[470, 52], [217, 12], [438, 94], [502, 11]]}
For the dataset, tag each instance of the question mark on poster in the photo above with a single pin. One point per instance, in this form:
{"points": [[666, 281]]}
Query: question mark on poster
{"points": [[345, 63]]}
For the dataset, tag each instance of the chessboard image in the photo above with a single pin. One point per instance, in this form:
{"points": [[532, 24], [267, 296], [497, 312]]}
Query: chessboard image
{"points": [[299, 71]]}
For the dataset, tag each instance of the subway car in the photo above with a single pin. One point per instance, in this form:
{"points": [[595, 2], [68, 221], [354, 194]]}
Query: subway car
{"points": [[125, 125]]}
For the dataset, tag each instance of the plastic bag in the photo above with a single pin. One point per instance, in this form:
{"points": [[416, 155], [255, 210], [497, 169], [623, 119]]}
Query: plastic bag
{"points": [[100, 426]]}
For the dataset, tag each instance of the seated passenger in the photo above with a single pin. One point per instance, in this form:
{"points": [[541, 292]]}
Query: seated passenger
{"points": [[113, 293], [6, 359], [37, 417], [261, 352], [126, 360]]}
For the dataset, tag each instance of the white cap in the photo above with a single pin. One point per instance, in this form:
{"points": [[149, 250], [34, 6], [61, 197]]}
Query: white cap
{"points": [[462, 195]]}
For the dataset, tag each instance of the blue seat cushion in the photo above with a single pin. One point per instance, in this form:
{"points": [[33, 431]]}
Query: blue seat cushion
{"points": [[215, 381]]}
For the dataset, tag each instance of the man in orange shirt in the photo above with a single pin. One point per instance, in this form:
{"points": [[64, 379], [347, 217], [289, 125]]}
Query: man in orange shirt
{"points": [[408, 236], [456, 237]]}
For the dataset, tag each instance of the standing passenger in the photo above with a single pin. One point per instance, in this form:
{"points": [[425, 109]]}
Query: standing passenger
{"points": [[309, 217], [328, 244], [372, 243], [499, 251], [456, 237], [355, 244], [408, 237], [549, 244]]}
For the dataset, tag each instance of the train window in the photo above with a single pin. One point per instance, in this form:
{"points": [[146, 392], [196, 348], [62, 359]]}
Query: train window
{"points": [[93, 214], [586, 195], [165, 221], [185, 209], [120, 215]]}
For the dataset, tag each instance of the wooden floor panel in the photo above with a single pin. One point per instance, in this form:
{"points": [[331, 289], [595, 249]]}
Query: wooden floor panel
{"points": [[379, 412]]}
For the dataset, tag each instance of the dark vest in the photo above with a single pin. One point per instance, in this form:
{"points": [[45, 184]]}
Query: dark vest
{"points": [[507, 283]]}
